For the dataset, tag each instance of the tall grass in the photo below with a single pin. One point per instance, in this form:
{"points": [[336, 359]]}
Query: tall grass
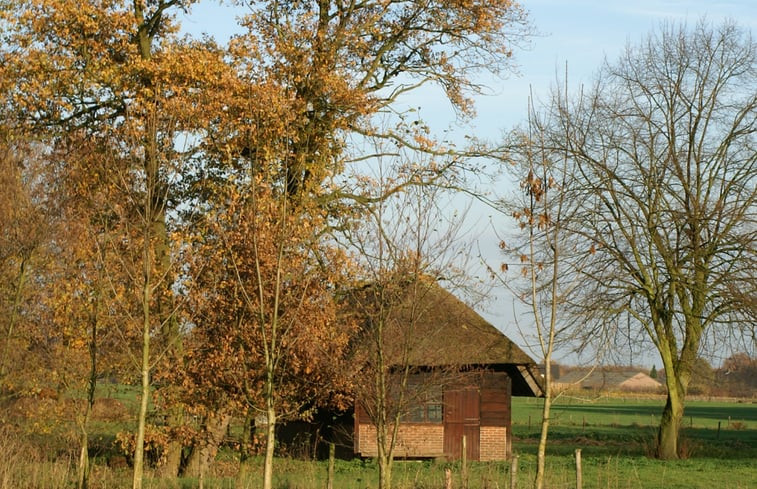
{"points": [[24, 465]]}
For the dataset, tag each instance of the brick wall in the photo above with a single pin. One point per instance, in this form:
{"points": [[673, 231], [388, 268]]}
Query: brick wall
{"points": [[414, 440], [493, 443]]}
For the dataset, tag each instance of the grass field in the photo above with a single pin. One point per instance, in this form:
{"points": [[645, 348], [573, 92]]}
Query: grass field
{"points": [[626, 426], [614, 434]]}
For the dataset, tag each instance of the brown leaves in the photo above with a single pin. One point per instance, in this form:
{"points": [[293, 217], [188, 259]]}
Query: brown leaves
{"points": [[263, 301]]}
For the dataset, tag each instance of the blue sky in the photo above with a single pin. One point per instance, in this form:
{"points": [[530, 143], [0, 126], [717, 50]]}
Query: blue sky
{"points": [[580, 33]]}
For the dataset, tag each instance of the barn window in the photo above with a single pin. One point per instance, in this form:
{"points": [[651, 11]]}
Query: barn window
{"points": [[426, 403], [434, 412]]}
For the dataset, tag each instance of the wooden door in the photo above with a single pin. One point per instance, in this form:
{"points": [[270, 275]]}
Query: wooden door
{"points": [[462, 417]]}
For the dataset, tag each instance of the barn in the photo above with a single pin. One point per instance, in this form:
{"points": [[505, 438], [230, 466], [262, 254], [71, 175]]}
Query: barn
{"points": [[450, 336]]}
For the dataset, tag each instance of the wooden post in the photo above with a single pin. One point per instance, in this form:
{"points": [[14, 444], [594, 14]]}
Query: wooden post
{"points": [[330, 474], [579, 476], [447, 478], [514, 472], [465, 463]]}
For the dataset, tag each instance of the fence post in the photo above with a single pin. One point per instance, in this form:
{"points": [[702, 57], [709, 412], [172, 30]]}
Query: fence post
{"points": [[465, 463], [579, 476], [447, 478], [514, 472]]}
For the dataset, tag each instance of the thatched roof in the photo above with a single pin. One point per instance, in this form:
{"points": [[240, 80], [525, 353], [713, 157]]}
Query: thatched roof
{"points": [[434, 328]]}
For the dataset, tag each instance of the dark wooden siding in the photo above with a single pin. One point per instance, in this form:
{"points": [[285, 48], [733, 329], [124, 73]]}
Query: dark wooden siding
{"points": [[495, 399]]}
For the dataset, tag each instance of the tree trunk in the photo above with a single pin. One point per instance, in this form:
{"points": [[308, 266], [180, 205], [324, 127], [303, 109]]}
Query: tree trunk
{"points": [[139, 449], [270, 440], [385, 444], [670, 423], [139, 446], [541, 454], [83, 476], [385, 470], [205, 451], [244, 448]]}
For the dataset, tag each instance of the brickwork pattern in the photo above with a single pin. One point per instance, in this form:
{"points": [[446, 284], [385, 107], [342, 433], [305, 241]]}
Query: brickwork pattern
{"points": [[414, 440], [493, 443]]}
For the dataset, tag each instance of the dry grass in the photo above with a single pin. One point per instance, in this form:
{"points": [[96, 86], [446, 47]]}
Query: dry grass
{"points": [[22, 465]]}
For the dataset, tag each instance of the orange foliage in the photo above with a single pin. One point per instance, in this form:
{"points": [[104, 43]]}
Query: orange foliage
{"points": [[264, 291]]}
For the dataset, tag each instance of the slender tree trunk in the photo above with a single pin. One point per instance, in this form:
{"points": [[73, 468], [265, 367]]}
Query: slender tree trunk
{"points": [[270, 440], [385, 459], [385, 472], [244, 448], [541, 454], [83, 470], [139, 449], [83, 476], [151, 172]]}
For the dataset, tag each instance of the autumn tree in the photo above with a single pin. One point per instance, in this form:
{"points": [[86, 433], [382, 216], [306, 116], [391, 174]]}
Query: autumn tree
{"points": [[90, 300], [115, 70], [341, 63], [265, 336], [661, 152], [27, 219]]}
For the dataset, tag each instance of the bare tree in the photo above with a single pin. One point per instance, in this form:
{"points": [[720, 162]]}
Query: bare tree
{"points": [[542, 259], [662, 158], [405, 247]]}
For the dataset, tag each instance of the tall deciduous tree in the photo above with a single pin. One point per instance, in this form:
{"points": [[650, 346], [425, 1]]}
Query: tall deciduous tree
{"points": [[342, 63], [664, 170]]}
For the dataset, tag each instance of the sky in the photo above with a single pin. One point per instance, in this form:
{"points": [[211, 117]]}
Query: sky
{"points": [[579, 33]]}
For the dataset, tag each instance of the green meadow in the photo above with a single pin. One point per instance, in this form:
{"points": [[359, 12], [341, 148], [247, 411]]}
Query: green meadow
{"points": [[615, 436]]}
